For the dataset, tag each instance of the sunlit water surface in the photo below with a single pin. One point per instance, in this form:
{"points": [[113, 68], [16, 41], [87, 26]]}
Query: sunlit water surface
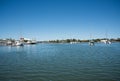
{"points": [[60, 62]]}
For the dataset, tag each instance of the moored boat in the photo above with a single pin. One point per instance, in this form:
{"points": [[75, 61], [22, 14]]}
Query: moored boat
{"points": [[31, 42], [91, 42], [18, 43], [106, 41]]}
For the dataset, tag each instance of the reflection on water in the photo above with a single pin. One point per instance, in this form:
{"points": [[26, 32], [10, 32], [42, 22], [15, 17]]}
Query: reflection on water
{"points": [[60, 62]]}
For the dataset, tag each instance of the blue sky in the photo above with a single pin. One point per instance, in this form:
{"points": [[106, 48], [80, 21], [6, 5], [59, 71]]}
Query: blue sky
{"points": [[59, 19]]}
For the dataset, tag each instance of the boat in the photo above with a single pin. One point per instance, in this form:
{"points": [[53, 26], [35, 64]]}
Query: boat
{"points": [[91, 42], [31, 42], [106, 41], [18, 43], [9, 42], [73, 42]]}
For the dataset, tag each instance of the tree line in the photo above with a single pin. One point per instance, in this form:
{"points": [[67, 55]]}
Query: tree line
{"points": [[79, 41]]}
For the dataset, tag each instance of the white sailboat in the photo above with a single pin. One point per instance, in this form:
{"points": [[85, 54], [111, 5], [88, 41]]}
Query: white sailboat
{"points": [[91, 41], [107, 41]]}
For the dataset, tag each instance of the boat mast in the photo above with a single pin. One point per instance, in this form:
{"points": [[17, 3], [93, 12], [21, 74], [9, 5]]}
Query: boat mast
{"points": [[106, 35]]}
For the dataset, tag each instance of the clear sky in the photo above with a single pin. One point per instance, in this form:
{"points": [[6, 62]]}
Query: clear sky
{"points": [[59, 19]]}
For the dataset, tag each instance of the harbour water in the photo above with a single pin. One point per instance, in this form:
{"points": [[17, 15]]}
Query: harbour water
{"points": [[60, 62]]}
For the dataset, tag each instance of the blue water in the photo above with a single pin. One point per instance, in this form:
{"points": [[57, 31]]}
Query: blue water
{"points": [[60, 62]]}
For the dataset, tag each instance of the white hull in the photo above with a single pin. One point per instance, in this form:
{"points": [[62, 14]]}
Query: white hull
{"points": [[106, 41], [31, 42], [18, 43], [91, 43]]}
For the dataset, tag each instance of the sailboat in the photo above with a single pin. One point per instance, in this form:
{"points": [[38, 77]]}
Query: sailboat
{"points": [[91, 41]]}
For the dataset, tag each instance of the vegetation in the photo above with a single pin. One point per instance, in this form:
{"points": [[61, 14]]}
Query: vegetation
{"points": [[78, 40], [64, 40]]}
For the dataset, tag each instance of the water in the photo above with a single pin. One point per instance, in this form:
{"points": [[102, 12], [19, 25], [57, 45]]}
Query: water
{"points": [[60, 62]]}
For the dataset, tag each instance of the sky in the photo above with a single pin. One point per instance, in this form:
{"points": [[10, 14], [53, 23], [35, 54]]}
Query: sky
{"points": [[59, 19]]}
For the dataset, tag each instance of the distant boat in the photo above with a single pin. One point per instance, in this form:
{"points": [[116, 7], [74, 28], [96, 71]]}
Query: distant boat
{"points": [[31, 42], [9, 42], [106, 41], [91, 42], [18, 43], [73, 42]]}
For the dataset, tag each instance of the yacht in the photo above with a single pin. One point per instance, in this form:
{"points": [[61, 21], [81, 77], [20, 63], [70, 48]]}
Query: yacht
{"points": [[31, 42], [18, 43]]}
